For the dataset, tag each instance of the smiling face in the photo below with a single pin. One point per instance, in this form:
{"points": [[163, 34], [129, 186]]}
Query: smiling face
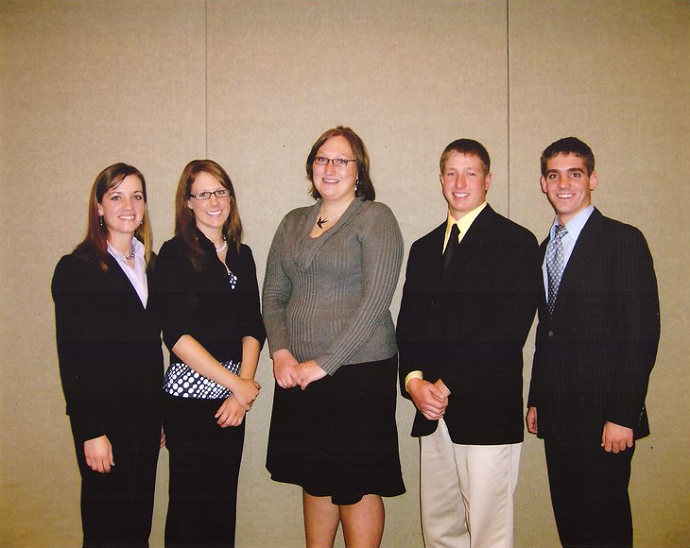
{"points": [[335, 183], [567, 185], [464, 183], [122, 207], [210, 214]]}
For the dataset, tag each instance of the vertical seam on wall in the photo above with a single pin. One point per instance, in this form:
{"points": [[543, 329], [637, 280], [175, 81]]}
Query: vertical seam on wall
{"points": [[508, 99], [206, 78]]}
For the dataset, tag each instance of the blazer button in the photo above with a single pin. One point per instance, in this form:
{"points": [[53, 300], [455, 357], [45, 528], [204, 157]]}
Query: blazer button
{"points": [[550, 333]]}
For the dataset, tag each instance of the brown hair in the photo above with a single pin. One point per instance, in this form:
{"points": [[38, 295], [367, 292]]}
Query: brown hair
{"points": [[94, 246], [365, 186], [185, 221]]}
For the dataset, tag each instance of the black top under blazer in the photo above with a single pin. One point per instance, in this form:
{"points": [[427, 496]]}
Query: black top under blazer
{"points": [[470, 330], [593, 358], [205, 304], [109, 348]]}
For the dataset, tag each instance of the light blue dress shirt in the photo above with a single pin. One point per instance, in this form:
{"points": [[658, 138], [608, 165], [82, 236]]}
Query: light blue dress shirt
{"points": [[574, 227]]}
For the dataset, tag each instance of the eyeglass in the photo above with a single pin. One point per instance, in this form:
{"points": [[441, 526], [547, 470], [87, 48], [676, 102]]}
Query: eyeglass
{"points": [[220, 193], [338, 162]]}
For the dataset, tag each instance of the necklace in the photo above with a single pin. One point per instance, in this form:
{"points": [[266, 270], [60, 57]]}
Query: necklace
{"points": [[130, 256], [221, 248], [321, 222]]}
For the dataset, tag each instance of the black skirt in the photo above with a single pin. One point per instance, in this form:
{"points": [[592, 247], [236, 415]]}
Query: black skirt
{"points": [[339, 437]]}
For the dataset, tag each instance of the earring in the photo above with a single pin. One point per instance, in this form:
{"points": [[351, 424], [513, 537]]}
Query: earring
{"points": [[100, 221]]}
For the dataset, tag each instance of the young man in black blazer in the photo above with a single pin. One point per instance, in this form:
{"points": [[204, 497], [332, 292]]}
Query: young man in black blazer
{"points": [[596, 345], [470, 295]]}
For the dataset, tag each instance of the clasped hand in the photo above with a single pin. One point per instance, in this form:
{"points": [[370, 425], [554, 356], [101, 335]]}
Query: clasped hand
{"points": [[245, 392], [431, 399], [289, 373], [231, 412]]}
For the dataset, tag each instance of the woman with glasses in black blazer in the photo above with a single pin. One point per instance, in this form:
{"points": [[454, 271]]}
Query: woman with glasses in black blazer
{"points": [[208, 297]]}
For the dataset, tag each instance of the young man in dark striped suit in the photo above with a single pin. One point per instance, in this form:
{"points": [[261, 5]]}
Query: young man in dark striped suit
{"points": [[596, 344]]}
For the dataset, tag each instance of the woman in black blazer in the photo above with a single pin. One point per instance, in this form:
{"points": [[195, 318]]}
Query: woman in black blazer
{"points": [[111, 363], [208, 297]]}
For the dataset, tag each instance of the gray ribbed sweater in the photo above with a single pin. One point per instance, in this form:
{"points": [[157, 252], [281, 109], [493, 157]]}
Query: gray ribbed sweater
{"points": [[328, 298]]}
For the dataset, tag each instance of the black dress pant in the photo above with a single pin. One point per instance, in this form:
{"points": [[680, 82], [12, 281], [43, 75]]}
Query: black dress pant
{"points": [[589, 494], [204, 468], [117, 507]]}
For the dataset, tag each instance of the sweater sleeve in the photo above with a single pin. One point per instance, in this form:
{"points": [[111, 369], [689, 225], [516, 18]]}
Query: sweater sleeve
{"points": [[381, 258], [276, 294]]}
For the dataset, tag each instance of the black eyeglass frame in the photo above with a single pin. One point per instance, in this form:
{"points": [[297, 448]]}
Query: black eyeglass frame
{"points": [[206, 195], [338, 162]]}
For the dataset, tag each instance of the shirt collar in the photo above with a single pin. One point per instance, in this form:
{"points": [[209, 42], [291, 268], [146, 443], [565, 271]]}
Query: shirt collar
{"points": [[137, 247], [574, 225], [465, 222]]}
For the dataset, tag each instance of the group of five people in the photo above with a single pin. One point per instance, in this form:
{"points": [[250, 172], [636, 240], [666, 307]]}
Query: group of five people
{"points": [[471, 290]]}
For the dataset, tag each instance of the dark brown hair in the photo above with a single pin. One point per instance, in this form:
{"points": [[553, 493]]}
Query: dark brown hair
{"points": [[568, 145], [94, 247]]}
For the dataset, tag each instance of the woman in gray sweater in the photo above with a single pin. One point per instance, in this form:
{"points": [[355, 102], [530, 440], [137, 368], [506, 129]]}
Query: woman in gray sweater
{"points": [[331, 273]]}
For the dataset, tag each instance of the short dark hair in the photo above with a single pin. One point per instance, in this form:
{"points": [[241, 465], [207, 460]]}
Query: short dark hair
{"points": [[468, 147], [365, 186], [568, 145]]}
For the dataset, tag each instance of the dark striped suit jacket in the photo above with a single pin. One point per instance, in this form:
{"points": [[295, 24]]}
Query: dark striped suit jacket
{"points": [[593, 357]]}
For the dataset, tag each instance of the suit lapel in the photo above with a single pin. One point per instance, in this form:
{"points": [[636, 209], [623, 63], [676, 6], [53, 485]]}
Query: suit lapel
{"points": [[586, 245], [119, 279], [542, 254], [473, 241], [432, 257]]}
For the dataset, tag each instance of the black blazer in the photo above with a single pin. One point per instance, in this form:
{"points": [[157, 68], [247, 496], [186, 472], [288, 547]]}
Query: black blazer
{"points": [[109, 348], [205, 304], [470, 331], [594, 356]]}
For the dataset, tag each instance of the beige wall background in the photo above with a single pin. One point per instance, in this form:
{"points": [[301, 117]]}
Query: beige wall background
{"points": [[251, 84]]}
